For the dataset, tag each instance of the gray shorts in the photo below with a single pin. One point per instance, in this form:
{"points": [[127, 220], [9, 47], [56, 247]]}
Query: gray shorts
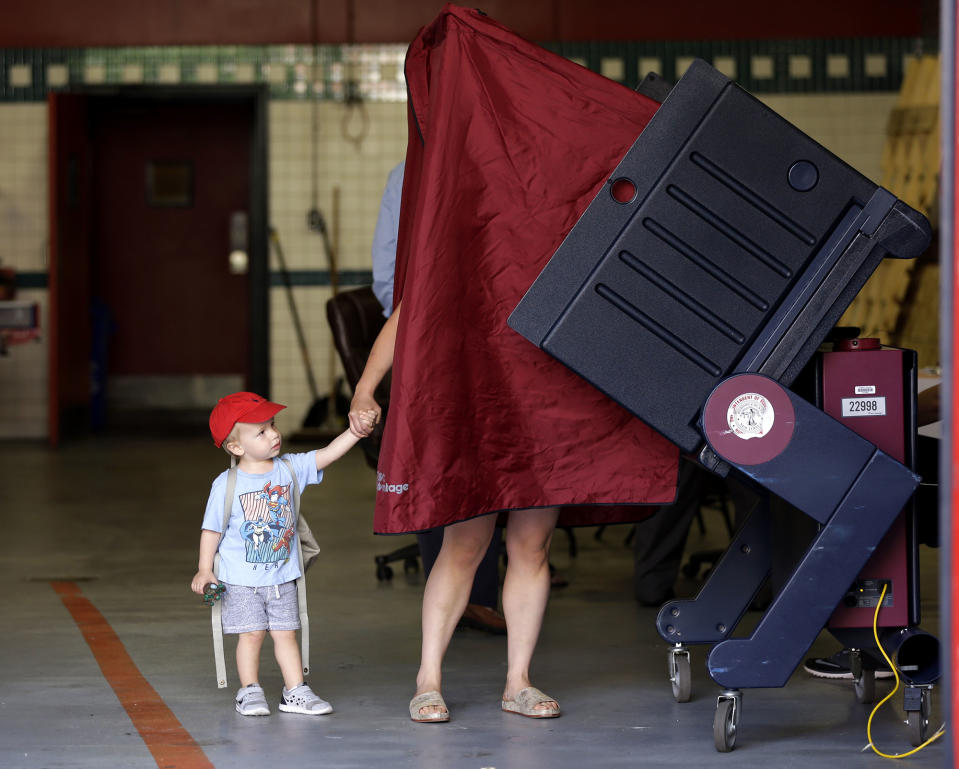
{"points": [[272, 607]]}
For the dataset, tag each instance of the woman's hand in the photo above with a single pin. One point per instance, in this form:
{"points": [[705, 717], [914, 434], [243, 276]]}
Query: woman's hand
{"points": [[362, 408]]}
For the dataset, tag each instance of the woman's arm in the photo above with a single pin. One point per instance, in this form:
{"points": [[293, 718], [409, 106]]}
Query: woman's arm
{"points": [[377, 365]]}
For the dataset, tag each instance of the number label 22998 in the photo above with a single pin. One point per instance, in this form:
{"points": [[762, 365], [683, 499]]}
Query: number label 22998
{"points": [[873, 406]]}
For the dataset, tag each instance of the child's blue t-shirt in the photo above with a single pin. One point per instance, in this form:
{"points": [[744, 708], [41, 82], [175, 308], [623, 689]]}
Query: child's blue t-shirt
{"points": [[259, 547]]}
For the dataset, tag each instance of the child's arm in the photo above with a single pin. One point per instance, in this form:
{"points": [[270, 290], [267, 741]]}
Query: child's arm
{"points": [[342, 442], [209, 541]]}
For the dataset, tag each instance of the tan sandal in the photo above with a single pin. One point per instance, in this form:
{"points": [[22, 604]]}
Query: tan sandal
{"points": [[525, 702], [426, 700]]}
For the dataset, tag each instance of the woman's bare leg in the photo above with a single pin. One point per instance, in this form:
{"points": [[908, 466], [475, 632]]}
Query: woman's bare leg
{"points": [[447, 593], [525, 592]]}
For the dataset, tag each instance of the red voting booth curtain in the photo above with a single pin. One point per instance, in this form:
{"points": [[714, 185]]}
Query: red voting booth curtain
{"points": [[508, 144]]}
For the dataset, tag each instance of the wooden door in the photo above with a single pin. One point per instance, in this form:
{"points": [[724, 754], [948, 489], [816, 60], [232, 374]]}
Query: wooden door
{"points": [[170, 179]]}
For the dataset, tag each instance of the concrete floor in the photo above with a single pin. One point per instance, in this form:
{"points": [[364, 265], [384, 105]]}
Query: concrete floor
{"points": [[119, 518]]}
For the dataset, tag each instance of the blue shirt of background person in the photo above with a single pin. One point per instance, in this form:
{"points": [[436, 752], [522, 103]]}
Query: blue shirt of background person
{"points": [[384, 238]]}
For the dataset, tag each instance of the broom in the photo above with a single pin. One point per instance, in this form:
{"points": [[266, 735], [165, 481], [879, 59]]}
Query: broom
{"points": [[319, 407]]}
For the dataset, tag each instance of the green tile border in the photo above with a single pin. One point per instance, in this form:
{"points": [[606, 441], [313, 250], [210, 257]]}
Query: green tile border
{"points": [[378, 68], [287, 69], [302, 278], [893, 49], [322, 278], [32, 280]]}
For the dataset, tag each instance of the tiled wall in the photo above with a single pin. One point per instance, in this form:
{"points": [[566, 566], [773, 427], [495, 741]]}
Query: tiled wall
{"points": [[23, 186], [23, 246], [852, 126], [23, 383], [850, 123], [358, 172]]}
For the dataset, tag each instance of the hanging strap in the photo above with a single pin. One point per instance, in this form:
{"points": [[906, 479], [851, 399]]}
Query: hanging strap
{"points": [[219, 660], [215, 615], [301, 580]]}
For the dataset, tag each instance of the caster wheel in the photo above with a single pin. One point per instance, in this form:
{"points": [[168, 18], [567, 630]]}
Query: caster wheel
{"points": [[865, 687], [411, 565], [384, 573], [680, 675], [917, 721], [725, 724]]}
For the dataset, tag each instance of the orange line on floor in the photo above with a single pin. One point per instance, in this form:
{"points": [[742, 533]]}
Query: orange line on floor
{"points": [[171, 745]]}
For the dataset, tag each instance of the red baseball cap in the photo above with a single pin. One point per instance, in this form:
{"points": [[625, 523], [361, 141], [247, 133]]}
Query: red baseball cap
{"points": [[239, 407]]}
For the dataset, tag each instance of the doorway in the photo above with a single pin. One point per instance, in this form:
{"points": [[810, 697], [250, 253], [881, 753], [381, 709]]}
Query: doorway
{"points": [[159, 255]]}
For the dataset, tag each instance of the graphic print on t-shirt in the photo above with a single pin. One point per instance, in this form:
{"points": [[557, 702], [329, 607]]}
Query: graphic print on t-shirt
{"points": [[267, 528]]}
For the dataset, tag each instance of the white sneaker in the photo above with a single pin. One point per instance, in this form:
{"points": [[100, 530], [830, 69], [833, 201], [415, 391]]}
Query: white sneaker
{"points": [[301, 699], [251, 701]]}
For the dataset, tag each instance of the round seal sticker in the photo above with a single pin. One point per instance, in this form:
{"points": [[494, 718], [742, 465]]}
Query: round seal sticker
{"points": [[744, 407], [750, 415]]}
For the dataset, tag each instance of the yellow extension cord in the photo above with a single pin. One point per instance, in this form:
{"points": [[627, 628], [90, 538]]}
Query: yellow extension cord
{"points": [[939, 732]]}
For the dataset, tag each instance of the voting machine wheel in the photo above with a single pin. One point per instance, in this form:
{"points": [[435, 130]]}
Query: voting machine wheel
{"points": [[864, 680], [384, 572], [680, 675], [865, 686], [726, 720], [917, 721]]}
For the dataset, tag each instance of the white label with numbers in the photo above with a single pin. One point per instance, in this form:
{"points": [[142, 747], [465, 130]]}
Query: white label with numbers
{"points": [[864, 407]]}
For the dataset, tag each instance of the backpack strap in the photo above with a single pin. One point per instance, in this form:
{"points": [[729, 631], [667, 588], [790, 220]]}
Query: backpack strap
{"points": [[216, 620], [215, 614], [301, 580]]}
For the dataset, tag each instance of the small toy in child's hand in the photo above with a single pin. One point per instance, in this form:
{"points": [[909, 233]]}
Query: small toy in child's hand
{"points": [[214, 591]]}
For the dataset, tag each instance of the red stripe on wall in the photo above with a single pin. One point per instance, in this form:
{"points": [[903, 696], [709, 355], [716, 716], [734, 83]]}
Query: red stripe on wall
{"points": [[171, 745], [66, 23]]}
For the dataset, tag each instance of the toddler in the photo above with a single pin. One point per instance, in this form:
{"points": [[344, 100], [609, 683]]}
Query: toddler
{"points": [[258, 550]]}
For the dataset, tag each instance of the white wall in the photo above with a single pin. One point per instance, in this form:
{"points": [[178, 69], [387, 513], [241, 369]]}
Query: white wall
{"points": [[851, 125]]}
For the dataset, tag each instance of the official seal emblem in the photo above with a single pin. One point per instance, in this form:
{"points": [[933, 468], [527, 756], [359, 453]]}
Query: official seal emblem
{"points": [[750, 415]]}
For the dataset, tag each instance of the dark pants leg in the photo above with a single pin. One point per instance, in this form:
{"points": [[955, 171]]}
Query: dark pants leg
{"points": [[486, 582], [660, 539]]}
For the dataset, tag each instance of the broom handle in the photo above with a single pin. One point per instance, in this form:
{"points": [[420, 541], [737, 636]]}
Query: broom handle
{"points": [[275, 240], [331, 251]]}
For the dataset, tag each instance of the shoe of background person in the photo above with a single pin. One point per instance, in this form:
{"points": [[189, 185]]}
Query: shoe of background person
{"points": [[837, 666], [658, 601], [483, 618], [250, 701], [302, 699]]}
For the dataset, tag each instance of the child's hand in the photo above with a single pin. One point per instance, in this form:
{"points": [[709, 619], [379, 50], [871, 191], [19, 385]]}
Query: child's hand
{"points": [[369, 419], [361, 410], [200, 580]]}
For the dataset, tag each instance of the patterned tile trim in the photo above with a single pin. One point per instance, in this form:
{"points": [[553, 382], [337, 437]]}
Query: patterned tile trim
{"points": [[375, 72]]}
